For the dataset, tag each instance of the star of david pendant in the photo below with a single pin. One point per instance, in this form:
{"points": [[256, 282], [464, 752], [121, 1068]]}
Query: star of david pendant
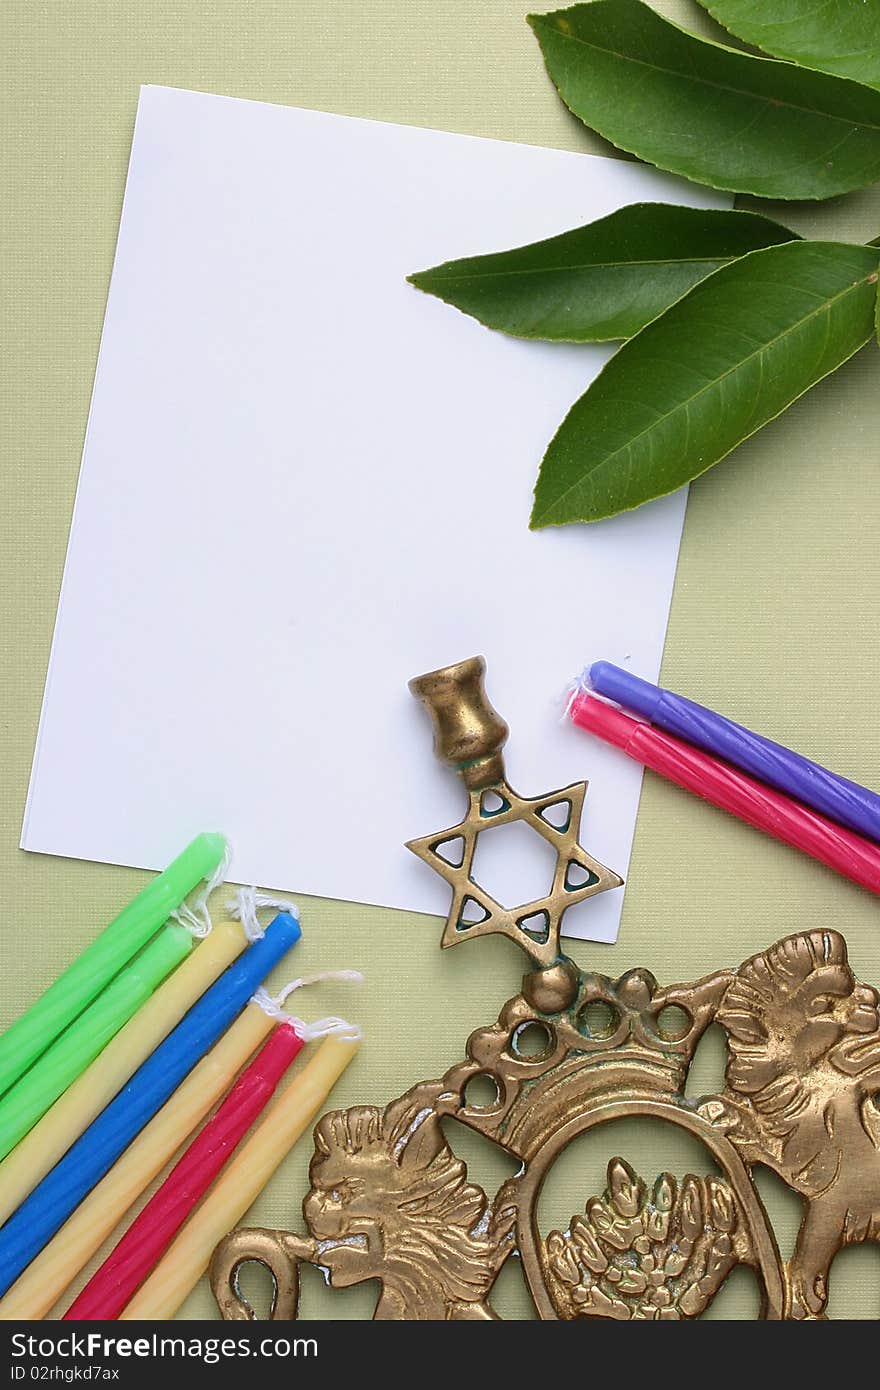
{"points": [[469, 736]]}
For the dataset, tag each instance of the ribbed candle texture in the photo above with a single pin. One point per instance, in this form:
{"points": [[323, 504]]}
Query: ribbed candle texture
{"points": [[74, 1111], [41, 1285], [244, 1178], [91, 971], [844, 801], [730, 789], [124, 1270], [50, 1204], [84, 1039]]}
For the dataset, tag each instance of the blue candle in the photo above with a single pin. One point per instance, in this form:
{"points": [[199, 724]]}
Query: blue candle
{"points": [[834, 796], [97, 1149]]}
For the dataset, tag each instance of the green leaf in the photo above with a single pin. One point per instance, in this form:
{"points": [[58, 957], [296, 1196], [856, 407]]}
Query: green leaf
{"points": [[735, 352], [751, 125], [837, 36], [605, 280]]}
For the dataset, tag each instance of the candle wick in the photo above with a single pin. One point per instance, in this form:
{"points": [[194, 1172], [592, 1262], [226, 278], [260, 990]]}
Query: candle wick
{"points": [[322, 1027], [243, 907], [582, 686], [332, 1026], [579, 686], [197, 919], [353, 977]]}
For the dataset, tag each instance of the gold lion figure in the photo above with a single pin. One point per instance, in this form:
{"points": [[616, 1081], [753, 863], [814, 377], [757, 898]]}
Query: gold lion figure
{"points": [[802, 1075], [388, 1201]]}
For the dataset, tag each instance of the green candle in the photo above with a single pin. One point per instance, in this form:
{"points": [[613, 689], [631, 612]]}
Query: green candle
{"points": [[82, 981], [78, 1045]]}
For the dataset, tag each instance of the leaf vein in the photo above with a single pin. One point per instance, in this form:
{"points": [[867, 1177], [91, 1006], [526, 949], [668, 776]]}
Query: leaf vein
{"points": [[718, 381], [714, 85]]}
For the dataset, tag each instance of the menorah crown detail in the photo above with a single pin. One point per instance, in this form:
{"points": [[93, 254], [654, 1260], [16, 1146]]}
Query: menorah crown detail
{"points": [[547, 1068]]}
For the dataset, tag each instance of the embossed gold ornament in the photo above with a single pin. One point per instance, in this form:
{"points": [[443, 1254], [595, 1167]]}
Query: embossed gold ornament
{"points": [[390, 1201], [645, 1254]]}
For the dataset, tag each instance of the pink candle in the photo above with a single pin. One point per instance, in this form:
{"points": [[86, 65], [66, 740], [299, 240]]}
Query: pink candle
{"points": [[112, 1286], [733, 791]]}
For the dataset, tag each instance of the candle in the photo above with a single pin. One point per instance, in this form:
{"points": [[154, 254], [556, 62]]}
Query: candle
{"points": [[53, 1200], [73, 1112], [733, 791], [84, 1039], [86, 977], [827, 792], [240, 1184], [46, 1278], [111, 1287]]}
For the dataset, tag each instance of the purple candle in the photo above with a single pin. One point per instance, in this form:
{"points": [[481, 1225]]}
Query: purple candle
{"points": [[836, 797]]}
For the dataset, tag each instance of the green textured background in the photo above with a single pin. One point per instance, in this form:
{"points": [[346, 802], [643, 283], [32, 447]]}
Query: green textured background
{"points": [[775, 612]]}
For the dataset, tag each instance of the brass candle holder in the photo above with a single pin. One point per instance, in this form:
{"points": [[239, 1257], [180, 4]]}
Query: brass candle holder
{"points": [[469, 736], [390, 1201]]}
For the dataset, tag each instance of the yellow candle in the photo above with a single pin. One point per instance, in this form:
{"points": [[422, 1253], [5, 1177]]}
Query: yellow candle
{"points": [[74, 1111], [243, 1179], [59, 1262]]}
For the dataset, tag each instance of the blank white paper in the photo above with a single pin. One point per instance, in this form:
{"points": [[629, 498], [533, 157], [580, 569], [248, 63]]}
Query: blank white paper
{"points": [[305, 482]]}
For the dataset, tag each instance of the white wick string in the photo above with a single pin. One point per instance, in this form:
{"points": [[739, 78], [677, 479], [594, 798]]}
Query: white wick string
{"points": [[197, 919], [244, 907], [333, 1025], [580, 686]]}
